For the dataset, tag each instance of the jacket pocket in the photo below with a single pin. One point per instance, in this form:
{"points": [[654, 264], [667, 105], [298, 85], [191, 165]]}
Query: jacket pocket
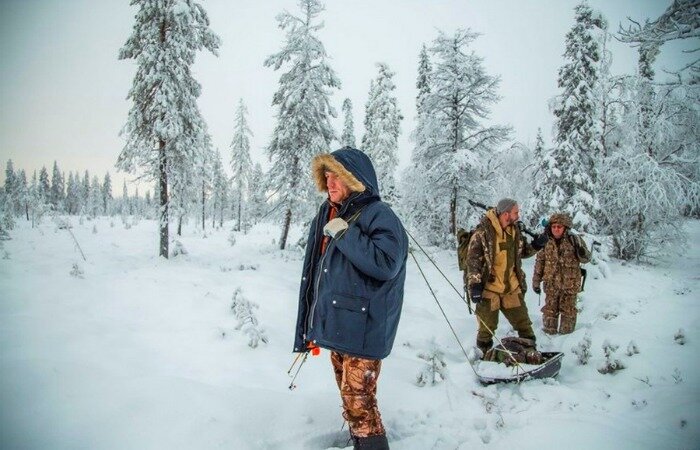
{"points": [[347, 321]]}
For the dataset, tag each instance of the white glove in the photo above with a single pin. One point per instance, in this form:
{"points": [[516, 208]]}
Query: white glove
{"points": [[334, 227]]}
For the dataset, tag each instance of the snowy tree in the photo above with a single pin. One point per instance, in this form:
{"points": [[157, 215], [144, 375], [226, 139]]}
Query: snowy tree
{"points": [[347, 139], [125, 209], [72, 194], [22, 192], [95, 202], [303, 126], [44, 185], [84, 193], [58, 189], [220, 190], [680, 21], [257, 200], [570, 184], [11, 200], [412, 203], [535, 209], [107, 195], [165, 130], [241, 164], [382, 128], [455, 149]]}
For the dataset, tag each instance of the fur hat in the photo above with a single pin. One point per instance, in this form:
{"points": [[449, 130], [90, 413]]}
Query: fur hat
{"points": [[325, 162], [561, 219]]}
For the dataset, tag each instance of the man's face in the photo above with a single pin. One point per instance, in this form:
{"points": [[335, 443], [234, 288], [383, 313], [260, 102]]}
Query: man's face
{"points": [[512, 216], [558, 230], [337, 190]]}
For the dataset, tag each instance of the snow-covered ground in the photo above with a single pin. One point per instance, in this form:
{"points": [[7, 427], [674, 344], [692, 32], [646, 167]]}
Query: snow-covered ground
{"points": [[143, 353]]}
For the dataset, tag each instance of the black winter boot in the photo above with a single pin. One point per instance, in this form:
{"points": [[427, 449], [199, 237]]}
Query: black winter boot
{"points": [[376, 442]]}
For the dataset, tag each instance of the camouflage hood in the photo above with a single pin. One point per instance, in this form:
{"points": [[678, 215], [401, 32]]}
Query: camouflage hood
{"points": [[561, 219]]}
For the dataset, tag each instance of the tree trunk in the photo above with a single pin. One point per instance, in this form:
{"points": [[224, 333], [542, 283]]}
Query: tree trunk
{"points": [[204, 198], [238, 222], [453, 212], [285, 228], [179, 226], [163, 180]]}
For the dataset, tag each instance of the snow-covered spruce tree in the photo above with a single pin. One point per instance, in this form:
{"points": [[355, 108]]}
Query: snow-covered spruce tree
{"points": [[570, 185], [165, 129], [38, 204], [84, 193], [22, 193], [58, 189], [456, 148], [535, 209], [11, 194], [382, 128], [348, 136], [412, 203], [107, 197], [44, 187], [241, 164], [72, 194], [680, 21], [94, 204], [257, 200], [220, 191], [303, 126]]}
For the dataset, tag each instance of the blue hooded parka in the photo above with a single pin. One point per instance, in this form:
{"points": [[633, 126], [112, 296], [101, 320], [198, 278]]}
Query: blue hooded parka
{"points": [[350, 297]]}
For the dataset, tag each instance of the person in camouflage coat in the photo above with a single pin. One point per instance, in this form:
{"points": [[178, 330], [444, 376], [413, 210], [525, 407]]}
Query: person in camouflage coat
{"points": [[494, 272], [558, 266]]}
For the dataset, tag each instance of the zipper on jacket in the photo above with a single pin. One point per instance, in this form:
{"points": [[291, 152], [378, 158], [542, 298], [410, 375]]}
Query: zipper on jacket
{"points": [[310, 275]]}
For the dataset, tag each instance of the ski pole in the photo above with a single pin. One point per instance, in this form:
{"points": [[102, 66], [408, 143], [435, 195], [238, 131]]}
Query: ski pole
{"points": [[293, 386]]}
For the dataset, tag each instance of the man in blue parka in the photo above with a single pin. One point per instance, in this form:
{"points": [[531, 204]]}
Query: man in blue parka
{"points": [[352, 285]]}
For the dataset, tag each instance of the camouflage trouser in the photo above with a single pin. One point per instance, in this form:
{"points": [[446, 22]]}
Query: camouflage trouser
{"points": [[559, 303], [517, 316], [357, 381]]}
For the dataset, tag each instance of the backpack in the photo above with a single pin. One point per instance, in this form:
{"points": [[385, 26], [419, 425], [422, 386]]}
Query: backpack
{"points": [[463, 238]]}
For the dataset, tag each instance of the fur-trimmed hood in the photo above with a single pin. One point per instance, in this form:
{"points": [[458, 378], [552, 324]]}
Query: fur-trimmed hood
{"points": [[351, 165]]}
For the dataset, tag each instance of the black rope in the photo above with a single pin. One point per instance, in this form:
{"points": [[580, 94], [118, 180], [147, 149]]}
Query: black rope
{"points": [[442, 311]]}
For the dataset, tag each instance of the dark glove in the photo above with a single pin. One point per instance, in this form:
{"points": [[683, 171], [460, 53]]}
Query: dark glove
{"points": [[540, 241], [475, 293], [537, 289]]}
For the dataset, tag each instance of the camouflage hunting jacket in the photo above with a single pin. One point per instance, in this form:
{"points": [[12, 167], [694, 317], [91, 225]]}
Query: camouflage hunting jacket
{"points": [[558, 264], [482, 248]]}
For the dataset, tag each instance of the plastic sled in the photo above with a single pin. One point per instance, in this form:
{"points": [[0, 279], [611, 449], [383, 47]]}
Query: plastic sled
{"points": [[548, 369]]}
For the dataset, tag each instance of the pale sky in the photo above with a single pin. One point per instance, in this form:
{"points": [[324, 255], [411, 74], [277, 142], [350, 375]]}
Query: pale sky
{"points": [[63, 90]]}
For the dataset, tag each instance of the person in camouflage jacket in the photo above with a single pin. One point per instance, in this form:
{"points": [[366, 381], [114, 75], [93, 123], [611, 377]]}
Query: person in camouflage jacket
{"points": [[494, 277], [558, 266]]}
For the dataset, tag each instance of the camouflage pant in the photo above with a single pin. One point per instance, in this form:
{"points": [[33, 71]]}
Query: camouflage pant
{"points": [[357, 381], [556, 304], [517, 316]]}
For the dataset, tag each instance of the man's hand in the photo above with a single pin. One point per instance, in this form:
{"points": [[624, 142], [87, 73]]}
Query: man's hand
{"points": [[475, 293], [537, 289], [540, 241], [334, 227]]}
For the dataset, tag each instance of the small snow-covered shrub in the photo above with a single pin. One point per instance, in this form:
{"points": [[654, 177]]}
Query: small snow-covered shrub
{"points": [[232, 238], [583, 350], [243, 310], [77, 271], [679, 337], [677, 378], [611, 364], [433, 372], [94, 229], [632, 348], [178, 249]]}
